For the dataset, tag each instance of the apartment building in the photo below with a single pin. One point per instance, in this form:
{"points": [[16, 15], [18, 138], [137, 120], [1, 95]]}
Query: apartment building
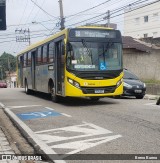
{"points": [[143, 21]]}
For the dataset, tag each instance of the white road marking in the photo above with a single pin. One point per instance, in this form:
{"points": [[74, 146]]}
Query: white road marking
{"points": [[49, 108], [153, 104], [86, 131], [85, 144], [66, 115], [16, 107], [37, 114]]}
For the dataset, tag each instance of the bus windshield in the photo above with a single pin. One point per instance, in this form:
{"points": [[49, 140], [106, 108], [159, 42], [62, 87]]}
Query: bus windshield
{"points": [[93, 56]]}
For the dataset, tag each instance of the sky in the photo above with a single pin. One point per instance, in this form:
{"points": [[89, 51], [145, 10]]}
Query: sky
{"points": [[42, 18]]}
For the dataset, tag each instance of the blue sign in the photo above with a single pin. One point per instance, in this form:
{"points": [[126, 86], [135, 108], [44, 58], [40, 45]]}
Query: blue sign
{"points": [[103, 66], [35, 115]]}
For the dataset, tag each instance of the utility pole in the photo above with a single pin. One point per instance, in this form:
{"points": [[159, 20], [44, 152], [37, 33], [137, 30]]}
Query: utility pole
{"points": [[61, 15], [107, 18]]}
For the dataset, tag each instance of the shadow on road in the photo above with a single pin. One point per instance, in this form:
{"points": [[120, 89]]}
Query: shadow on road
{"points": [[71, 101]]}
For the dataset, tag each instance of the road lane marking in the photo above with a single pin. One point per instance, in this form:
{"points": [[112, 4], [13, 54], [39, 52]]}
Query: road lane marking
{"points": [[67, 115], [152, 104], [72, 134], [79, 146], [16, 107]]}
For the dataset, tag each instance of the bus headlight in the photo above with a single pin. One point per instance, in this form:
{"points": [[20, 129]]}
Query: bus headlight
{"points": [[119, 82], [74, 83]]}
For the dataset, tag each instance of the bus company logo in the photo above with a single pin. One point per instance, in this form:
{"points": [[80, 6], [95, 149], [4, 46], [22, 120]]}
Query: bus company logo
{"points": [[85, 83], [6, 157]]}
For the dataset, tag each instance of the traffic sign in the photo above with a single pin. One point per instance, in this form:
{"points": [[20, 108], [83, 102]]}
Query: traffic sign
{"points": [[2, 14]]}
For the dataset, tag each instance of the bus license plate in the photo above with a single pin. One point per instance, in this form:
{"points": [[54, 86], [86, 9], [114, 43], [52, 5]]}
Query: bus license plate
{"points": [[99, 91], [138, 91]]}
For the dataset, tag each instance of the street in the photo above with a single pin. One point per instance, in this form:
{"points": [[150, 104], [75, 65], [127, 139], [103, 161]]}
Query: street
{"points": [[80, 126]]}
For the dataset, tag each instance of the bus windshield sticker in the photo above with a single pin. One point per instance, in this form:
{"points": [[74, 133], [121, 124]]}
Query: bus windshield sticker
{"points": [[103, 66], [74, 62], [85, 66]]}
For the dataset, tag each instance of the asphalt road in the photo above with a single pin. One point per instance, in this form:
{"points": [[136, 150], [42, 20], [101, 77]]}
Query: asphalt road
{"points": [[79, 126]]}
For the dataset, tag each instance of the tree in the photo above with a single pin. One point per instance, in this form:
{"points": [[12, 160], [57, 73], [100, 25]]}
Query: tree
{"points": [[7, 63]]}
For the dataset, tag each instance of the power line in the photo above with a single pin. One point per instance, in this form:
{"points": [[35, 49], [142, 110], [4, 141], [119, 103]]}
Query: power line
{"points": [[44, 10]]}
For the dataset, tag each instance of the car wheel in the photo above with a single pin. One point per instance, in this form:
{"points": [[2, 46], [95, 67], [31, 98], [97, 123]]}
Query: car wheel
{"points": [[139, 96]]}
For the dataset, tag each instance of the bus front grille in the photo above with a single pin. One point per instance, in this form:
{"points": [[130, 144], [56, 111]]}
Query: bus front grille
{"points": [[102, 90]]}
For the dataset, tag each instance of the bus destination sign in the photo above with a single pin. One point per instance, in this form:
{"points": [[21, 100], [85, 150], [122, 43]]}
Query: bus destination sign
{"points": [[93, 33]]}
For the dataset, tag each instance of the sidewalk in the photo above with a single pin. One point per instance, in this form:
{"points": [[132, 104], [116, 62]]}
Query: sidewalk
{"points": [[5, 147]]}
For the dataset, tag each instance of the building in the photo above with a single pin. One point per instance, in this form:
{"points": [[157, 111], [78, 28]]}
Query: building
{"points": [[143, 21]]}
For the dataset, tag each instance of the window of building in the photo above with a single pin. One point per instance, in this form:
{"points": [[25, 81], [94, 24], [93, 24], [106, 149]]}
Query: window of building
{"points": [[51, 52], [145, 19], [155, 16], [155, 34], [145, 35], [137, 21]]}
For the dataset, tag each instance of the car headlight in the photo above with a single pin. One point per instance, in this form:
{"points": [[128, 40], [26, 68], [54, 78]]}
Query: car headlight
{"points": [[144, 85], [74, 83], [127, 85], [119, 82]]}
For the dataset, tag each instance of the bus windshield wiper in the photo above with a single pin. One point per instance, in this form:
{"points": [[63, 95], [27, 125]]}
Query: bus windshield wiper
{"points": [[89, 52]]}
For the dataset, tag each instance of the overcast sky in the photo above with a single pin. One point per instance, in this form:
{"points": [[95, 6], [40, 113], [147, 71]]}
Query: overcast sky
{"points": [[44, 21]]}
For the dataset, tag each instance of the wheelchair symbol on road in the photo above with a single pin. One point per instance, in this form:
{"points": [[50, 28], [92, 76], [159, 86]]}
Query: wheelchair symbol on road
{"points": [[34, 115]]}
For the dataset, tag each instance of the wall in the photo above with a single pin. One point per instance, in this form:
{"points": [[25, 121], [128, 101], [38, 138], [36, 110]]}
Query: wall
{"points": [[144, 65]]}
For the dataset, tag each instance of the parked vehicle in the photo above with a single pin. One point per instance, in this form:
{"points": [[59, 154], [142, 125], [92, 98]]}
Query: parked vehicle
{"points": [[133, 86], [3, 84]]}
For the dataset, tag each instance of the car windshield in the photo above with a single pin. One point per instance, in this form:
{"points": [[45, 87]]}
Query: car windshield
{"points": [[129, 75], [93, 56]]}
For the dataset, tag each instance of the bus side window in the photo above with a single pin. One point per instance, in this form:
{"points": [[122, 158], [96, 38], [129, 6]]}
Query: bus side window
{"points": [[29, 59], [39, 56], [45, 54], [51, 52], [25, 60]]}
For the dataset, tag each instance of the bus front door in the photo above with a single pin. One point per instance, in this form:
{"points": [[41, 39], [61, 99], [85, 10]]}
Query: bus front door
{"points": [[33, 69], [59, 67]]}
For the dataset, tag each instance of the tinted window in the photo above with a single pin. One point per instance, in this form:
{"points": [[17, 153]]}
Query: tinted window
{"points": [[51, 52], [39, 55], [129, 75], [25, 60], [29, 59], [45, 53]]}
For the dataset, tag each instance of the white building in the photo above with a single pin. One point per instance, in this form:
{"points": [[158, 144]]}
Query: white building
{"points": [[143, 22]]}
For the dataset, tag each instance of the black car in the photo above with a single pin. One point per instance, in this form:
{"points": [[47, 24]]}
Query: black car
{"points": [[133, 86]]}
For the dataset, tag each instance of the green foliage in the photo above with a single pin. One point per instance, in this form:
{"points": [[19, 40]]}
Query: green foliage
{"points": [[7, 63]]}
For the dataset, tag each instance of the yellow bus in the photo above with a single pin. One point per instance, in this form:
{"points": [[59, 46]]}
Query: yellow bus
{"points": [[78, 62]]}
